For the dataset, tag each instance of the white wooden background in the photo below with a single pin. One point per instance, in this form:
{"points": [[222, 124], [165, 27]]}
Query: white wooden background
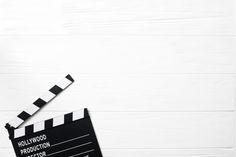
{"points": [[159, 76]]}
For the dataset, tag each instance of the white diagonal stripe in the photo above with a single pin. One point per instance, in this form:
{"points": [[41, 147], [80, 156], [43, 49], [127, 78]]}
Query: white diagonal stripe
{"points": [[32, 109], [64, 83], [48, 96], [58, 121], [39, 126], [16, 122], [78, 115], [19, 132]]}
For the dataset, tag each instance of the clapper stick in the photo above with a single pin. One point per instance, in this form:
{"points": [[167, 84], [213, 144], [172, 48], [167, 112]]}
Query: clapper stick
{"points": [[68, 135], [40, 102]]}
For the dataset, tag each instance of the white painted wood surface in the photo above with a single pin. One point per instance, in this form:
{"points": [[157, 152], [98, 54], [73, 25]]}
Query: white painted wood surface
{"points": [[157, 75]]}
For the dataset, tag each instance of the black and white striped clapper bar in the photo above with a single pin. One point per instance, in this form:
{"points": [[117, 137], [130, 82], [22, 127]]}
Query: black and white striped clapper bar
{"points": [[69, 135]]}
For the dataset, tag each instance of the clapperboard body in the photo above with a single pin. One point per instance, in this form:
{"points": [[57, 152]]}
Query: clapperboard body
{"points": [[69, 135]]}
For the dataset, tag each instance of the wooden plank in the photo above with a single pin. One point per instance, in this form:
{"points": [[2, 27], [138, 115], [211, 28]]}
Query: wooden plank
{"points": [[170, 153], [154, 18], [123, 93], [8, 152], [117, 55], [110, 17], [152, 130]]}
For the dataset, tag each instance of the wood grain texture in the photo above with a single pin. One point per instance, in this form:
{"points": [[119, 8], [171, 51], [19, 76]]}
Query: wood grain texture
{"points": [[159, 71], [117, 55], [124, 93], [102, 17]]}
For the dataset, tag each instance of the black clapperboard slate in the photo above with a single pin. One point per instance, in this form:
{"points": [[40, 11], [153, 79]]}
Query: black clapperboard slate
{"points": [[69, 135]]}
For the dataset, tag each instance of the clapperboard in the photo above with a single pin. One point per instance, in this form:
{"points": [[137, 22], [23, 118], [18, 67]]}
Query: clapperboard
{"points": [[69, 135]]}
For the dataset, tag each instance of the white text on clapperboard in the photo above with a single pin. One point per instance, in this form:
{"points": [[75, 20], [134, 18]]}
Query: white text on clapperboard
{"points": [[35, 144]]}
